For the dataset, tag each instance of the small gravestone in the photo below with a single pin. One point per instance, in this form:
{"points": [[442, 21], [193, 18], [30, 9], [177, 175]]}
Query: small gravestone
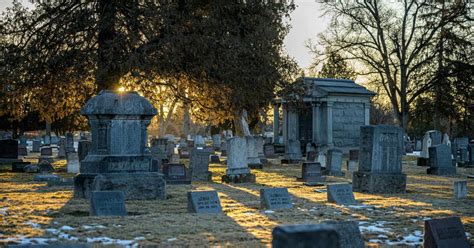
{"points": [[199, 164], [62, 148], [203, 202], [46, 151], [445, 233], [215, 159], [107, 203], [22, 150], [216, 142], [46, 177], [311, 174], [460, 189], [259, 145], [183, 152], [199, 141], [175, 174], [322, 235], [349, 233], [341, 194], [292, 152], [334, 163], [19, 166], [36, 146], [8, 149], [418, 145], [269, 151], [275, 198], [72, 162], [440, 161], [253, 159]]}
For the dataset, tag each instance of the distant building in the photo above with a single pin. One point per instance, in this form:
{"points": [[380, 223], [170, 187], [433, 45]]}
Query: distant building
{"points": [[328, 113]]}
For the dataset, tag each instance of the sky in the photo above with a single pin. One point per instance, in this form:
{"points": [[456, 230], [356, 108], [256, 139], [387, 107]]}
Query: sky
{"points": [[306, 22]]}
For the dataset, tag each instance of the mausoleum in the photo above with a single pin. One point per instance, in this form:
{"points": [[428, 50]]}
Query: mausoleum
{"points": [[327, 112]]}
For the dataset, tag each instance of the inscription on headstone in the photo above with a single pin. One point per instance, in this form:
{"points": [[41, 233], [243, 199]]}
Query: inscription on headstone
{"points": [[275, 198], [203, 202], [107, 203], [341, 194]]}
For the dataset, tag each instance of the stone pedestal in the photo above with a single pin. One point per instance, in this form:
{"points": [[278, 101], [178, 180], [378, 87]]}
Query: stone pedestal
{"points": [[379, 183], [117, 159]]}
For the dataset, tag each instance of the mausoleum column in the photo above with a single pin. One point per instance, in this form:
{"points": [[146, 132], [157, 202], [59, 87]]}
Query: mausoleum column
{"points": [[367, 113], [329, 124], [284, 108], [276, 122], [316, 122]]}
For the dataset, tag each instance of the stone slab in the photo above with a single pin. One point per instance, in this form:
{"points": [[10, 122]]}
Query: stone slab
{"points": [[341, 194], [107, 203], [445, 233], [46, 177], [379, 183], [204, 202], [275, 198]]}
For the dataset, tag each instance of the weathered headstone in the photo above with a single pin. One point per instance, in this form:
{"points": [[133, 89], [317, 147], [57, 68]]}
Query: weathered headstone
{"points": [[463, 157], [460, 189], [36, 146], [380, 160], [199, 164], [418, 145], [292, 152], [334, 163], [341, 194], [354, 155], [322, 235], [216, 141], [253, 159], [275, 198], [119, 122], [176, 173], [237, 169], [440, 161], [70, 142], [46, 154], [62, 148], [8, 149], [199, 141], [445, 233], [269, 151], [72, 162], [311, 173], [107, 203], [204, 202], [170, 148]]}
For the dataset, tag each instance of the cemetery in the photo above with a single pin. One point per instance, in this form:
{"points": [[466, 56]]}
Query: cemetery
{"points": [[190, 124]]}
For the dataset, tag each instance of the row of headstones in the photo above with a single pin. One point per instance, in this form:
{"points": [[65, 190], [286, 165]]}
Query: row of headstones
{"points": [[438, 232]]}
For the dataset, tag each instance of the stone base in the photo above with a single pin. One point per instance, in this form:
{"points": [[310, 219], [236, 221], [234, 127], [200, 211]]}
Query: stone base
{"points": [[256, 166], [422, 161], [178, 181], [135, 186], [205, 177], [239, 178], [379, 183], [290, 161], [441, 171]]}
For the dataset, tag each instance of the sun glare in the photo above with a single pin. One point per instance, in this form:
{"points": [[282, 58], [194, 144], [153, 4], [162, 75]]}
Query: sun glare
{"points": [[121, 89]]}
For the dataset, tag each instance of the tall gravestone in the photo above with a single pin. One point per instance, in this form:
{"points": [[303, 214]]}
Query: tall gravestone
{"points": [[431, 138], [440, 161], [199, 163], [62, 148], [292, 152], [253, 159], [380, 160], [70, 142], [334, 163], [311, 173], [237, 168], [118, 157], [216, 142], [199, 141], [36, 146]]}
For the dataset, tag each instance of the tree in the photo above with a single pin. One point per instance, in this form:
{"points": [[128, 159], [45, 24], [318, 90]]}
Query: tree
{"points": [[334, 66], [395, 42]]}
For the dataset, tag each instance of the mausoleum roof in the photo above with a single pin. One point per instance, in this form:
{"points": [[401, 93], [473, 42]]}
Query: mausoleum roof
{"points": [[109, 102], [335, 86]]}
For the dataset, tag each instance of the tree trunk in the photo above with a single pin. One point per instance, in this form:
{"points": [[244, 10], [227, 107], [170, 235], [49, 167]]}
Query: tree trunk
{"points": [[186, 120], [241, 124]]}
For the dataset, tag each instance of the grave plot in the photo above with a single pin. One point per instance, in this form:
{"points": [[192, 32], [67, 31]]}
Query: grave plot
{"points": [[33, 212]]}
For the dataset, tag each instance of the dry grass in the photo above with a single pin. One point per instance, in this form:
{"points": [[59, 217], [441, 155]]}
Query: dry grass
{"points": [[242, 223]]}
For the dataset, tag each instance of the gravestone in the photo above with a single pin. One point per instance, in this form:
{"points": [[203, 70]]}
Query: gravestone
{"points": [[183, 152], [36, 146], [460, 189], [19, 166], [333, 163], [176, 173], [253, 159], [445, 233], [341, 194], [431, 138], [46, 154], [216, 142], [380, 160], [107, 203], [311, 173], [215, 159], [269, 151], [275, 198], [237, 170], [292, 152], [463, 157], [23, 141], [8, 150], [446, 140], [259, 143], [349, 233], [22, 150], [321, 235], [462, 142], [199, 141], [204, 202], [72, 162], [440, 161], [199, 164], [62, 148], [83, 149], [311, 156], [46, 140], [70, 142], [418, 145], [118, 122]]}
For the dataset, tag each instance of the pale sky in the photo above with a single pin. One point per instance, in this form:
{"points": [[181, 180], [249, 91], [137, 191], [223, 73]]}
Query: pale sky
{"points": [[306, 22]]}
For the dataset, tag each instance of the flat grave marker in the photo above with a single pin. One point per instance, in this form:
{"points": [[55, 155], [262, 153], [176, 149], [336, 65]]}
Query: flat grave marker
{"points": [[275, 198], [204, 202], [107, 203]]}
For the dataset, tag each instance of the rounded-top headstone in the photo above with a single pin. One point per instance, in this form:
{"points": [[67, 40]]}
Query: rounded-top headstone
{"points": [[110, 102]]}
